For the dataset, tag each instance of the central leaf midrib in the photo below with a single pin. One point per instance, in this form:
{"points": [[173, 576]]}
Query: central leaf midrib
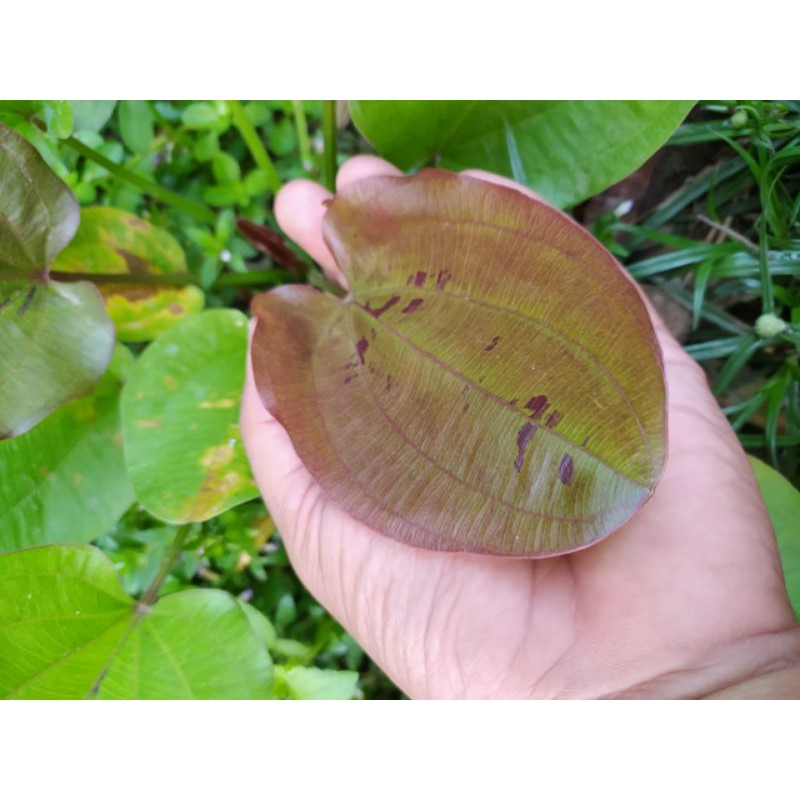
{"points": [[464, 482], [430, 356], [483, 390]]}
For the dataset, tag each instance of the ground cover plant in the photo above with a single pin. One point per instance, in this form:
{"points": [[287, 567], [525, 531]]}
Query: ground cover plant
{"points": [[136, 557]]}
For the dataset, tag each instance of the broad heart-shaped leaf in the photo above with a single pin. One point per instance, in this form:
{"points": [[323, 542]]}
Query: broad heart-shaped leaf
{"points": [[783, 504], [115, 242], [567, 150], [491, 384], [65, 480], [68, 631], [180, 416], [55, 338]]}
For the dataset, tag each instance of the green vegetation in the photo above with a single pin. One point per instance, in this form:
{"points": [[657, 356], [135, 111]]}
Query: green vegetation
{"points": [[185, 589]]}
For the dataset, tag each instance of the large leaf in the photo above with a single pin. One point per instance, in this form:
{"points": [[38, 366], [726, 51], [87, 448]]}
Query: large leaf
{"points": [[783, 504], [180, 415], [491, 384], [567, 150], [67, 630], [55, 339], [65, 480], [115, 242]]}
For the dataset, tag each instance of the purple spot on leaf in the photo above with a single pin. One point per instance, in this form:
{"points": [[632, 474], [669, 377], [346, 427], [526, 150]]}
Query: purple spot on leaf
{"points": [[514, 401], [388, 382], [466, 408], [376, 312], [348, 379], [361, 348], [566, 470], [442, 279], [536, 405], [491, 346], [419, 278], [524, 437], [553, 419], [413, 305]]}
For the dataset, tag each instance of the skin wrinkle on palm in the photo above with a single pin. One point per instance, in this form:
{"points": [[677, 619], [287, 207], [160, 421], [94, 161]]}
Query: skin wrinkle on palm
{"points": [[685, 600]]}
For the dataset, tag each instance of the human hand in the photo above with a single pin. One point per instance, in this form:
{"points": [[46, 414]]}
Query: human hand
{"points": [[685, 600]]}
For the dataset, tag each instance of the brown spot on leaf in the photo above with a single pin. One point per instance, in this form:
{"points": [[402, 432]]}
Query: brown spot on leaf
{"points": [[491, 346], [524, 437], [361, 348], [566, 470], [148, 423], [176, 309], [170, 382], [135, 222], [136, 264], [388, 382], [413, 305]]}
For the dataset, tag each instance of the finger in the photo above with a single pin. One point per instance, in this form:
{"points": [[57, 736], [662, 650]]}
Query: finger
{"points": [[361, 167], [299, 209]]}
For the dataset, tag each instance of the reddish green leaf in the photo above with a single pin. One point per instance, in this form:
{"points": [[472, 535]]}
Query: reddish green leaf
{"points": [[55, 338], [492, 383]]}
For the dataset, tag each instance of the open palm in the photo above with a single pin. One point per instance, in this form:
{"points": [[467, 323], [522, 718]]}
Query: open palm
{"points": [[684, 600]]}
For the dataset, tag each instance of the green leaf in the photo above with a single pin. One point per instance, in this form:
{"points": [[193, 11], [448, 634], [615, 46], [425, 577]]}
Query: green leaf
{"points": [[567, 149], [115, 242], [226, 169], [180, 412], [136, 125], [55, 339], [65, 480], [91, 116], [311, 683], [68, 631], [492, 383], [201, 115], [783, 504]]}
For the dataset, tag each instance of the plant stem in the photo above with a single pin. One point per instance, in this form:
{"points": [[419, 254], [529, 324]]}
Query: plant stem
{"points": [[146, 601], [301, 126], [329, 148], [150, 594], [254, 144], [186, 205], [254, 277]]}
